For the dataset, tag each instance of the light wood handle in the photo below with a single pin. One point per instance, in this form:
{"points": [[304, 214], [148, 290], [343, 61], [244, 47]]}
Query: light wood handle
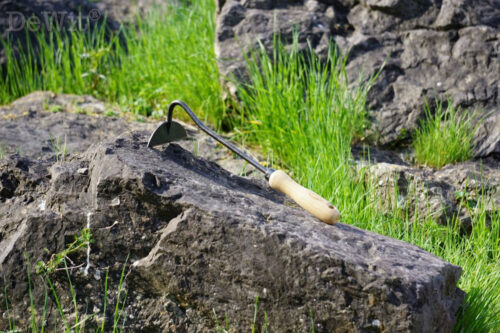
{"points": [[305, 198]]}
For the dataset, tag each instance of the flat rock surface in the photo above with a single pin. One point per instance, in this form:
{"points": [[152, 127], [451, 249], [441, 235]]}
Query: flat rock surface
{"points": [[430, 49], [197, 240], [42, 124]]}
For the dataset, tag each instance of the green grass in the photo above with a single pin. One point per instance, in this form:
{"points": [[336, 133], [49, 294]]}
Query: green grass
{"points": [[58, 147], [304, 115], [2, 150], [301, 113], [44, 272], [255, 326], [168, 56], [444, 137]]}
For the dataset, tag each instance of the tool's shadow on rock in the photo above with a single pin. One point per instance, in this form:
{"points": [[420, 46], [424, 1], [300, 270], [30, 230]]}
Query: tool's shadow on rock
{"points": [[212, 171]]}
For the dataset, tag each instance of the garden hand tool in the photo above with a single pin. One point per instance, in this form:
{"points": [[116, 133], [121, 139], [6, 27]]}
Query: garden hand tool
{"points": [[278, 180]]}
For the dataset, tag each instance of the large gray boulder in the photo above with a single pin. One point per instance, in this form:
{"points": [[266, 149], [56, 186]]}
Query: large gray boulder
{"points": [[431, 48], [42, 124], [199, 241]]}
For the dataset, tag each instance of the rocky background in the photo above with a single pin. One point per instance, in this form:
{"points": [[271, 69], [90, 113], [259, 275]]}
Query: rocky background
{"points": [[430, 48], [203, 239]]}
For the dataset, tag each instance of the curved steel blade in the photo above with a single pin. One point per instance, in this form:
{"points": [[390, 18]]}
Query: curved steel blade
{"points": [[166, 135], [167, 132]]}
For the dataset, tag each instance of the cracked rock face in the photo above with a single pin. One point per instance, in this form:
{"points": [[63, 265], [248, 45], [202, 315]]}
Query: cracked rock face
{"points": [[197, 240], [431, 48], [457, 190], [461, 190]]}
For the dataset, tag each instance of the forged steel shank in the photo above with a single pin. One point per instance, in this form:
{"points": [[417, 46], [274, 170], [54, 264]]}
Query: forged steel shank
{"points": [[257, 165]]}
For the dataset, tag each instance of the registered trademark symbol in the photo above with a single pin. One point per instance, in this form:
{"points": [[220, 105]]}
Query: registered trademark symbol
{"points": [[94, 14]]}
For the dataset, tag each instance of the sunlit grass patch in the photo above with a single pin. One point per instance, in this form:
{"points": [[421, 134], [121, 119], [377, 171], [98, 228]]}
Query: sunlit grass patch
{"points": [[165, 56], [444, 137]]}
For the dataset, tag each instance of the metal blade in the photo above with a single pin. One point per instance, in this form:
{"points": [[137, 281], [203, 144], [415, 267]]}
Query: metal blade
{"points": [[163, 134]]}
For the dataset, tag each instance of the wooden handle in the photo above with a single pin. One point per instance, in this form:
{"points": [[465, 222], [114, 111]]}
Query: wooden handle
{"points": [[307, 199]]}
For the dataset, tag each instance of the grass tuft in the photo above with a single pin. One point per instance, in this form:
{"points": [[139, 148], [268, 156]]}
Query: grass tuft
{"points": [[445, 137], [59, 148], [2, 150], [44, 272], [302, 111]]}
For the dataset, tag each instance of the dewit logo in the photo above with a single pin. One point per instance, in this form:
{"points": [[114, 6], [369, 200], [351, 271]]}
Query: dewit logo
{"points": [[18, 21]]}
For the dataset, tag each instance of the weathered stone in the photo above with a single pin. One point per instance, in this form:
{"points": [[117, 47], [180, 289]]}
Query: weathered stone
{"points": [[43, 123], [430, 48], [457, 190], [200, 240]]}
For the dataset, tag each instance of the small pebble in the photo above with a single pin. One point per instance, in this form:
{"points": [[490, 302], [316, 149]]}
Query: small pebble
{"points": [[83, 171]]}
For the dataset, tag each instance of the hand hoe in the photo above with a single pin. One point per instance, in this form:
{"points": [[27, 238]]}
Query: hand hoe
{"points": [[278, 180]]}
